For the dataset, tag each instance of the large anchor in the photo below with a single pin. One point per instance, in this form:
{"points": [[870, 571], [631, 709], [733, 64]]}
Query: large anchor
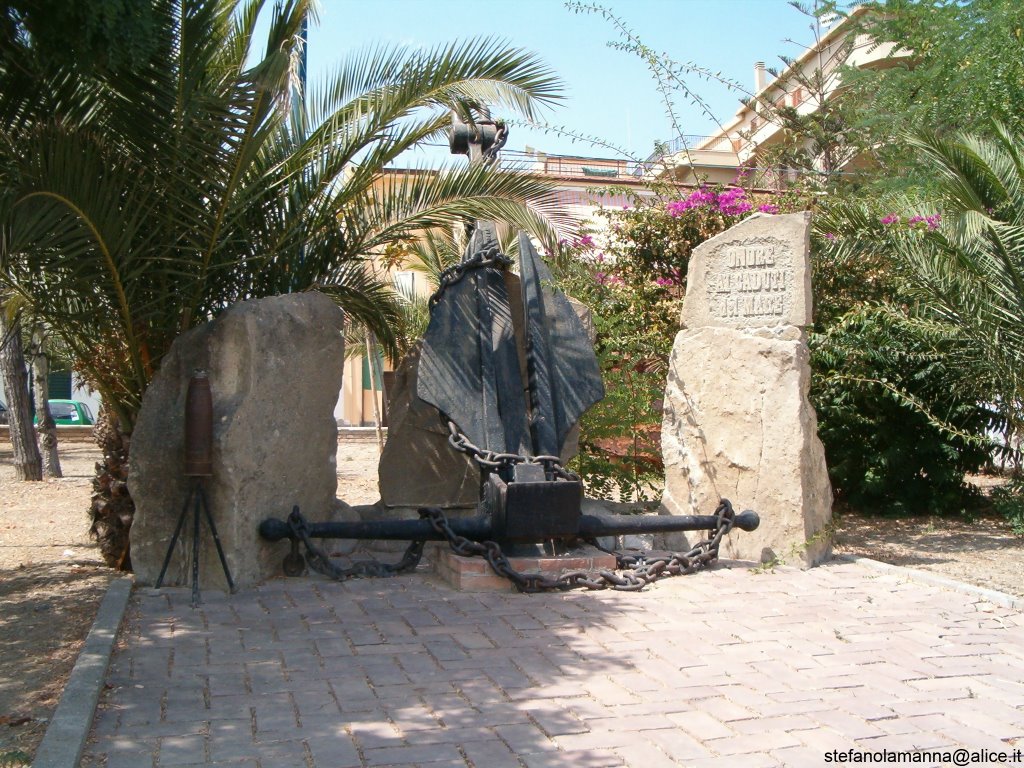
{"points": [[511, 373]]}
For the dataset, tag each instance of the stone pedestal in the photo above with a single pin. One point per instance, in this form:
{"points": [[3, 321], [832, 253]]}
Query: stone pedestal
{"points": [[275, 369], [738, 423]]}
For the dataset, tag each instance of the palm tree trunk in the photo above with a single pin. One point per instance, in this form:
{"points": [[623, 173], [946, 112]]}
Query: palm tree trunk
{"points": [[46, 428], [371, 360], [27, 462], [112, 507]]}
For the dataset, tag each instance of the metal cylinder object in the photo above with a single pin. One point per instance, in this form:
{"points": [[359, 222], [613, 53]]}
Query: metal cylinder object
{"points": [[481, 528], [199, 427], [461, 136]]}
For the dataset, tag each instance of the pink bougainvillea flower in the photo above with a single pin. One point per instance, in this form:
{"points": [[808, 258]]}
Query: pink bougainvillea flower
{"points": [[768, 208], [733, 202], [892, 218]]}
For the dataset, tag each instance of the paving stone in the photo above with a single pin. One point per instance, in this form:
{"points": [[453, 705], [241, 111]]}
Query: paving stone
{"points": [[492, 753], [585, 758], [753, 743], [403, 672], [337, 752], [182, 750], [130, 760], [425, 755], [525, 739]]}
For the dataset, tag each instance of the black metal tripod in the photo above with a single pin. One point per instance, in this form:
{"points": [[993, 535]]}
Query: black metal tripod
{"points": [[196, 494]]}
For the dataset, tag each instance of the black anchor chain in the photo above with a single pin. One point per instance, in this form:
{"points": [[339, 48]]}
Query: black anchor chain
{"points": [[320, 561], [634, 571]]}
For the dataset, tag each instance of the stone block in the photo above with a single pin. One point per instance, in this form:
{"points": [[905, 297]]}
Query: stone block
{"points": [[738, 425], [473, 574], [755, 274], [418, 466], [275, 369]]}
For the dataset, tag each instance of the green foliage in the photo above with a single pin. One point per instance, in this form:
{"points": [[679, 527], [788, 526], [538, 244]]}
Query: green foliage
{"points": [[930, 354], [99, 35], [917, 345], [619, 449], [138, 204], [958, 67], [1008, 501], [961, 269], [897, 436]]}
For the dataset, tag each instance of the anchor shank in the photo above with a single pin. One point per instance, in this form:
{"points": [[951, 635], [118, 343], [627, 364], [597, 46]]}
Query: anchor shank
{"points": [[481, 528], [592, 526], [476, 528]]}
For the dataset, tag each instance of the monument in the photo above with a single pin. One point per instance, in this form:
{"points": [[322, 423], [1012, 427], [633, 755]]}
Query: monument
{"points": [[275, 368], [737, 422]]}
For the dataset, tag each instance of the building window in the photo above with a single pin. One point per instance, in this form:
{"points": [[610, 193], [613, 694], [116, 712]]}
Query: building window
{"points": [[405, 283]]}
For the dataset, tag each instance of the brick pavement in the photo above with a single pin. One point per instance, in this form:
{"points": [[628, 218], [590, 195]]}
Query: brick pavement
{"points": [[728, 667]]}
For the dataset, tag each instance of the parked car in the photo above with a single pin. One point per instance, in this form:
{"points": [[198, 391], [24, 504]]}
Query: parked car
{"points": [[71, 412], [3, 412]]}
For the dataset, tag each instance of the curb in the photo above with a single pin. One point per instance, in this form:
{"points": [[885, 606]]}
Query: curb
{"points": [[925, 577], [69, 727]]}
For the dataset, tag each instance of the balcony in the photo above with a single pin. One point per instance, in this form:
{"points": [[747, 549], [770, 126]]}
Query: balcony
{"points": [[597, 169]]}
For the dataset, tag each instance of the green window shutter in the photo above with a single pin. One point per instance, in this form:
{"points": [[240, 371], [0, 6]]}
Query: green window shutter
{"points": [[376, 374], [60, 385]]}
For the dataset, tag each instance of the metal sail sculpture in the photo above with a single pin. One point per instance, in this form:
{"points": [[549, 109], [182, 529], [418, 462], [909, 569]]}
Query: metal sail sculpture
{"points": [[472, 363]]}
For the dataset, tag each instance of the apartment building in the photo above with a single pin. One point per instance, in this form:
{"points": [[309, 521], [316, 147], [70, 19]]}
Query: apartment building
{"points": [[746, 139]]}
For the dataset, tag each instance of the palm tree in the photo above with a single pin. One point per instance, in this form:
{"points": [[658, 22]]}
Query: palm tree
{"points": [[962, 252], [144, 201]]}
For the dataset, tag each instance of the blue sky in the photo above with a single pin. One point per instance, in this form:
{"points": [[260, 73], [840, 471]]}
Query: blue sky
{"points": [[609, 93]]}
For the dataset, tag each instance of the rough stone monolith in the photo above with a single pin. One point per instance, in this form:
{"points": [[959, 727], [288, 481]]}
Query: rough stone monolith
{"points": [[738, 423], [275, 369]]}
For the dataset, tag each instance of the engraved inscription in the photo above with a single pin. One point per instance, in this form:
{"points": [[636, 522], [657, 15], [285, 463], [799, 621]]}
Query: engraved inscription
{"points": [[750, 283]]}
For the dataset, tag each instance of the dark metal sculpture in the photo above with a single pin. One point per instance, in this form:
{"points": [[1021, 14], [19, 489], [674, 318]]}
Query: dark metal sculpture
{"points": [[510, 377]]}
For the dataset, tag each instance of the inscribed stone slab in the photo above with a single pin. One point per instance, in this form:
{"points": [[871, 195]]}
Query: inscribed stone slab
{"points": [[754, 275]]}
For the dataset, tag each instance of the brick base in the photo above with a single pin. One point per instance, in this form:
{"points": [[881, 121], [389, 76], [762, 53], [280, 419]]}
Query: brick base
{"points": [[473, 574]]}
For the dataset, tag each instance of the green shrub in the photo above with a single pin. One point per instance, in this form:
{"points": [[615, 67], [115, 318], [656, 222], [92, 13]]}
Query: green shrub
{"points": [[1008, 501]]}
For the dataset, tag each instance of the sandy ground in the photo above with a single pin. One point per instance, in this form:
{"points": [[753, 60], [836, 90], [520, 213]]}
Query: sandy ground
{"points": [[51, 582], [51, 578]]}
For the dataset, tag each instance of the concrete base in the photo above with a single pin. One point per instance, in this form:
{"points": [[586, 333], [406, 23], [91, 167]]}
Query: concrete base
{"points": [[473, 574]]}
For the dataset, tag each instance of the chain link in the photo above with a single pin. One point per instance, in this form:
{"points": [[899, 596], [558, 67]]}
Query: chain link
{"points": [[492, 461], [490, 154], [633, 571], [490, 257], [320, 561]]}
